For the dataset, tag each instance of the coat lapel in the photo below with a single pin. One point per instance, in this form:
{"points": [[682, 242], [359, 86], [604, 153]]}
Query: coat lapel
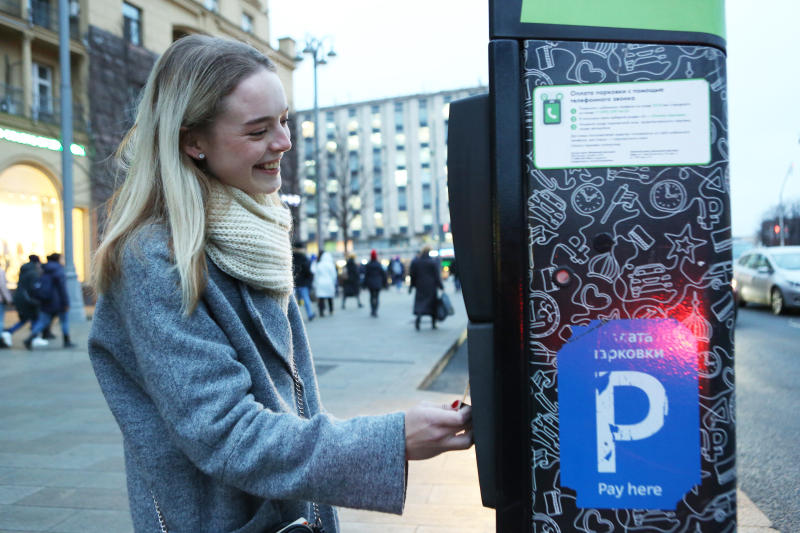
{"points": [[270, 321]]}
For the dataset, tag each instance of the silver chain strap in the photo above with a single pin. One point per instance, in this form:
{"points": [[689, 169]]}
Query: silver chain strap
{"points": [[161, 521], [298, 390]]}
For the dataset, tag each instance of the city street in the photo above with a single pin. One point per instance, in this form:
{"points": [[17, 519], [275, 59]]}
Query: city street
{"points": [[767, 397], [61, 467]]}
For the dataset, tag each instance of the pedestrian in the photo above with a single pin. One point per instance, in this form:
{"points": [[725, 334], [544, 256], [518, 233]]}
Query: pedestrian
{"points": [[303, 278], [5, 299], [352, 281], [26, 303], [51, 291], [196, 342], [426, 279], [325, 282], [397, 271], [454, 274], [375, 280]]}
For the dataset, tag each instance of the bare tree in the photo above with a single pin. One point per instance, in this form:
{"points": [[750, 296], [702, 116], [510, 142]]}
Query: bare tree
{"points": [[346, 183]]}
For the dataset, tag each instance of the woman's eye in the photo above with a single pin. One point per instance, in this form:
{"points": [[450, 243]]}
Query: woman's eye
{"points": [[285, 121], [258, 133]]}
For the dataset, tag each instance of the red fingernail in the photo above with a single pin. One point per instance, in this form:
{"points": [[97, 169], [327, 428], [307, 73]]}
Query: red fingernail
{"points": [[454, 405]]}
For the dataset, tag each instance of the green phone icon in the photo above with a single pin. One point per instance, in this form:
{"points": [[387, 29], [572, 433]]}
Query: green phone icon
{"points": [[552, 111]]}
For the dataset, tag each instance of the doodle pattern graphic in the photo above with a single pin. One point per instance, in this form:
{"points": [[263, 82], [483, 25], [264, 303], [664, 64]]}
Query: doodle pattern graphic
{"points": [[643, 243]]}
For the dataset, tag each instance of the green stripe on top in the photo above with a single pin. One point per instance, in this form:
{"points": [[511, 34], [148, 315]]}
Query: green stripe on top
{"points": [[704, 16]]}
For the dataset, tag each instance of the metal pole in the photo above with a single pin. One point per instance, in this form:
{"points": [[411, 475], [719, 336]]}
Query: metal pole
{"points": [[780, 205], [317, 165], [77, 312]]}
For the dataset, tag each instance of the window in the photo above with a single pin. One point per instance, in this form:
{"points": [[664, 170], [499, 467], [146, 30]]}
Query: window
{"points": [[42, 91], [398, 116], [41, 13], [402, 200], [247, 23], [132, 23], [423, 112], [212, 5], [426, 196]]}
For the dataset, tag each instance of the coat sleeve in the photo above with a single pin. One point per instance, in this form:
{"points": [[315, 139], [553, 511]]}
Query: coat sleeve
{"points": [[201, 391]]}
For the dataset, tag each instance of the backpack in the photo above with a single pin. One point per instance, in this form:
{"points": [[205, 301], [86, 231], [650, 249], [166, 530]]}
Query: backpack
{"points": [[397, 269], [43, 289]]}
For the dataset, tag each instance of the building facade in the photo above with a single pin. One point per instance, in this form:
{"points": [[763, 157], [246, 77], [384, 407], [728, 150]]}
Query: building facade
{"points": [[31, 212], [113, 47], [383, 173]]}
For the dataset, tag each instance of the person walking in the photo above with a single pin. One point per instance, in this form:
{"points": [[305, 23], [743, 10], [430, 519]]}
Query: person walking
{"points": [[426, 279], [375, 280], [25, 301], [5, 299], [196, 341], [303, 278], [352, 283], [325, 282], [51, 291], [454, 274], [397, 271]]}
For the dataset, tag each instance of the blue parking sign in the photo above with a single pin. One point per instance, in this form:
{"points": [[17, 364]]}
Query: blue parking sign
{"points": [[629, 423]]}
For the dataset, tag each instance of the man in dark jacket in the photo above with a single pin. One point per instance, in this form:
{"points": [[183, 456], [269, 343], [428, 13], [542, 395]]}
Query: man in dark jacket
{"points": [[303, 278], [25, 300], [352, 283], [426, 279], [51, 291], [374, 280]]}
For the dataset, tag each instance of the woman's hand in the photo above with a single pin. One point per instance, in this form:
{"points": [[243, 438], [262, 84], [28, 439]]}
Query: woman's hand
{"points": [[433, 429]]}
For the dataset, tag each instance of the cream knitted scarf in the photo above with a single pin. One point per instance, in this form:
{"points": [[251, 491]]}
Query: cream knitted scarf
{"points": [[248, 238]]}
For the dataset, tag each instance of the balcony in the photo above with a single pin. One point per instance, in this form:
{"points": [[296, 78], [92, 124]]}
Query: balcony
{"points": [[44, 13], [11, 7], [52, 115], [12, 103]]}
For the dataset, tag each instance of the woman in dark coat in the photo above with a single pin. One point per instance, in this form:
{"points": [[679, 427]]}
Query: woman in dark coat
{"points": [[352, 284], [374, 280], [426, 279]]}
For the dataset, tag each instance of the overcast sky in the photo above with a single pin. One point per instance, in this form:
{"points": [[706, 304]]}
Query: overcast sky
{"points": [[396, 48]]}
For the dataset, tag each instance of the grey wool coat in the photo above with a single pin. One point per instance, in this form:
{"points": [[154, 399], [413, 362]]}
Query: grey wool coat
{"points": [[209, 410]]}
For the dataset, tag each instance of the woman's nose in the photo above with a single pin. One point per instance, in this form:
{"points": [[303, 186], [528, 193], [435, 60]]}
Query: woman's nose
{"points": [[281, 143]]}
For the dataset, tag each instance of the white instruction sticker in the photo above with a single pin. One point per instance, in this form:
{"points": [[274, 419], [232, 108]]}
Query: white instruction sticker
{"points": [[664, 123]]}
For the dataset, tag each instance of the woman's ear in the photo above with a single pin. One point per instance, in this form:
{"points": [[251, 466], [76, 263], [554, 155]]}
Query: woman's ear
{"points": [[191, 144]]}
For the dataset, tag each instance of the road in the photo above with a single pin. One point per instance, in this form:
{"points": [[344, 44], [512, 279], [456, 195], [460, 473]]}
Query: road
{"points": [[768, 422]]}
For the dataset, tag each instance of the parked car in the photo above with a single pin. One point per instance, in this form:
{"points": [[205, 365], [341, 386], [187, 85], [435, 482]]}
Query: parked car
{"points": [[768, 276]]}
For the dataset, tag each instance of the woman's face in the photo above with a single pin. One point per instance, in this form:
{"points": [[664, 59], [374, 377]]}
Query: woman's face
{"points": [[244, 145]]}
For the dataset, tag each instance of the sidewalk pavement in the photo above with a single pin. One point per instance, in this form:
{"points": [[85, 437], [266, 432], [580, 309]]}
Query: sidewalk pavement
{"points": [[61, 464]]}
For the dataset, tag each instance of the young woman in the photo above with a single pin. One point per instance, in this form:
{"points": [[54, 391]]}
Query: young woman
{"points": [[196, 343]]}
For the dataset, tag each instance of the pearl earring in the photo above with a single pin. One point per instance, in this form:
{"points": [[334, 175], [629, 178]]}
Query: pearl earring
{"points": [[201, 156]]}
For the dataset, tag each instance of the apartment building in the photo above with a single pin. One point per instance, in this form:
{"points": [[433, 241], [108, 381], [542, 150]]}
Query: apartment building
{"points": [[31, 216], [391, 157], [114, 44]]}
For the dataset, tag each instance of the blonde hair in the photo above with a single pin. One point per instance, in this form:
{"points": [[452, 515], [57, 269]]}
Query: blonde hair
{"points": [[163, 185]]}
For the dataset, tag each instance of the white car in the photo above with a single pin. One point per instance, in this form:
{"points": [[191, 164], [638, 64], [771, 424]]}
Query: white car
{"points": [[769, 276]]}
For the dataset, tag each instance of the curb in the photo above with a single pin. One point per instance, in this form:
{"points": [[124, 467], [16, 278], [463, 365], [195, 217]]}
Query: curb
{"points": [[442, 363]]}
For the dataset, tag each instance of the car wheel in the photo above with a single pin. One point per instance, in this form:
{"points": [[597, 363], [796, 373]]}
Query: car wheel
{"points": [[740, 301], [776, 301]]}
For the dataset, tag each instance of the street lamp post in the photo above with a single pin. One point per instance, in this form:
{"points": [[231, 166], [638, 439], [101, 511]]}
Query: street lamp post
{"points": [[319, 50], [77, 313]]}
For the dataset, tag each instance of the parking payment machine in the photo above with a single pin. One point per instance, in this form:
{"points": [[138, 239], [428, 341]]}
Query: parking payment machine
{"points": [[590, 214]]}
